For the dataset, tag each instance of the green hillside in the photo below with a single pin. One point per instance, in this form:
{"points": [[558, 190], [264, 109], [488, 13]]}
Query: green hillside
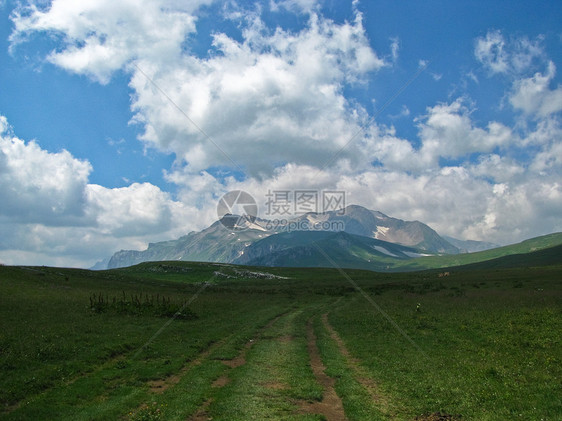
{"points": [[527, 246], [545, 257], [311, 248], [329, 249]]}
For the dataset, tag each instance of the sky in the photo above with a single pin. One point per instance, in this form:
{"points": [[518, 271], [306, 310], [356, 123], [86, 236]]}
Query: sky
{"points": [[123, 123]]}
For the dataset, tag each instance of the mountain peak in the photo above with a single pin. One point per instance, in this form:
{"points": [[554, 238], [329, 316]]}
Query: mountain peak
{"points": [[227, 239]]}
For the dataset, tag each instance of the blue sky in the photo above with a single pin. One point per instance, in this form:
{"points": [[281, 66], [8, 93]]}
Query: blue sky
{"points": [[98, 153]]}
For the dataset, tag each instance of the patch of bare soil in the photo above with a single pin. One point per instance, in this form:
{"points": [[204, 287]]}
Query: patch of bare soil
{"points": [[285, 338], [221, 381], [240, 359], [331, 406], [275, 385]]}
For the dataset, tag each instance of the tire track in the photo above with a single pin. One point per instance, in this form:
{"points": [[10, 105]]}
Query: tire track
{"points": [[202, 413], [161, 385], [331, 406], [359, 373]]}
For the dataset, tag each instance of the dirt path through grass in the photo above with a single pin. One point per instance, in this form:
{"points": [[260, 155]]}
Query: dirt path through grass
{"points": [[202, 414], [354, 364], [331, 405], [160, 386]]}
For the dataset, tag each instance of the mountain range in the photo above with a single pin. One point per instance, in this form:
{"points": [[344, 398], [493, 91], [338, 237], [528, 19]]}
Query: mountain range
{"points": [[354, 237]]}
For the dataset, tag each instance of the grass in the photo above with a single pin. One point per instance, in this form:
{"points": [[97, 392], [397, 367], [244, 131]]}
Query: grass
{"points": [[490, 341], [491, 353], [522, 252]]}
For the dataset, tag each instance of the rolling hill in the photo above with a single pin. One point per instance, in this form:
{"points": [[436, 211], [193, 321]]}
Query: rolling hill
{"points": [[310, 248], [548, 243]]}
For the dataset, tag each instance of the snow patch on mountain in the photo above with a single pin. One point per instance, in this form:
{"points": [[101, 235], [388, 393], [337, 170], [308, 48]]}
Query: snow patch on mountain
{"points": [[412, 254], [384, 251], [380, 233]]}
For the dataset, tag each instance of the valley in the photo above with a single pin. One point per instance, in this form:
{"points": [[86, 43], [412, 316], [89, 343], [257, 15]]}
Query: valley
{"points": [[282, 343]]}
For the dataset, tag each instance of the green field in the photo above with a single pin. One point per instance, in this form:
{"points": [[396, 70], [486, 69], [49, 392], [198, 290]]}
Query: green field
{"points": [[280, 344]]}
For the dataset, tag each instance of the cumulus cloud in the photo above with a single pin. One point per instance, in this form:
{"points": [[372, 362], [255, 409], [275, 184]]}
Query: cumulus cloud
{"points": [[497, 168], [100, 37], [268, 90], [249, 95], [50, 210], [549, 159], [490, 51], [476, 205], [139, 209], [447, 131], [519, 58], [300, 6], [501, 56], [38, 186], [533, 95]]}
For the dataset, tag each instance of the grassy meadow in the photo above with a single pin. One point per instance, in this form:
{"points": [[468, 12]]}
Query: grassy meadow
{"points": [[279, 344]]}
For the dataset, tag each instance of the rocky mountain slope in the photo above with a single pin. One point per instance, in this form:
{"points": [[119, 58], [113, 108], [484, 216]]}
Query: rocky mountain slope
{"points": [[219, 244]]}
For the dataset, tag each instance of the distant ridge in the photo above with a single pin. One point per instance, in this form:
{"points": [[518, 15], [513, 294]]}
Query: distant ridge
{"points": [[531, 245], [302, 249], [470, 246], [540, 258], [370, 240]]}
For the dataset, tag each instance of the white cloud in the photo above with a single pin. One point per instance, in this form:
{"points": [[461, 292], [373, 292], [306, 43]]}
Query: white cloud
{"points": [[252, 96], [452, 200], [490, 50], [517, 58], [501, 56], [51, 212], [548, 160], [533, 95], [299, 6], [394, 48], [447, 131], [38, 186], [102, 36], [499, 169], [139, 209]]}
